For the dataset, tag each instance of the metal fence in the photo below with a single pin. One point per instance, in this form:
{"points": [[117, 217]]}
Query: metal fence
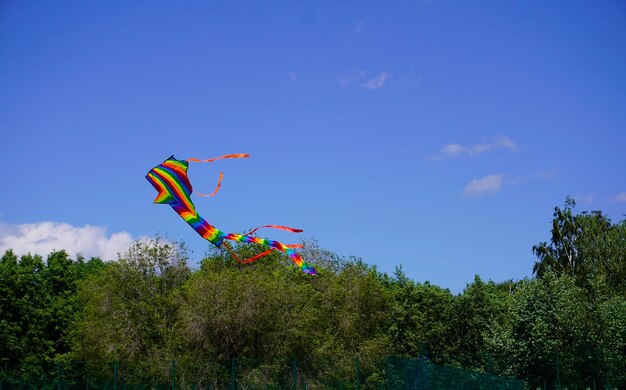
{"points": [[353, 373], [421, 374]]}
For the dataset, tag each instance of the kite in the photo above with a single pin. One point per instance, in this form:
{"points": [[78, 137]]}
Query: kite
{"points": [[173, 186]]}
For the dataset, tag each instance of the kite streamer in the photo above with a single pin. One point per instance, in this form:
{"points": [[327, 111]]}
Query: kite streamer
{"points": [[173, 186]]}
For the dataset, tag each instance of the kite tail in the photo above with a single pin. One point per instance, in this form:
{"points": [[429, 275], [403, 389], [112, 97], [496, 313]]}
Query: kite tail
{"points": [[273, 245], [217, 237], [210, 160]]}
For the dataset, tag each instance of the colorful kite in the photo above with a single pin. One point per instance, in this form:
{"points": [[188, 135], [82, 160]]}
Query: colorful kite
{"points": [[171, 181]]}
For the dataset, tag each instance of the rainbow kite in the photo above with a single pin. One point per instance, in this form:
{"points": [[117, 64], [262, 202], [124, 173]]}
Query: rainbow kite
{"points": [[171, 181]]}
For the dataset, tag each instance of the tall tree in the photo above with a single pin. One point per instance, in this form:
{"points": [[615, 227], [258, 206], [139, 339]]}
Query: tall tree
{"points": [[583, 246], [477, 313], [421, 316], [130, 307], [37, 307], [557, 333]]}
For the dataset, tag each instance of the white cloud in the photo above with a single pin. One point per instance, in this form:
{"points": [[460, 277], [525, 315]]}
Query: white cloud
{"points": [[354, 76], [41, 238], [451, 150], [619, 198], [484, 186], [456, 150], [357, 77], [541, 175], [504, 142], [293, 76], [377, 82]]}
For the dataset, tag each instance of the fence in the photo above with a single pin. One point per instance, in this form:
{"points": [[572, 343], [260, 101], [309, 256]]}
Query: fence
{"points": [[421, 374], [335, 373]]}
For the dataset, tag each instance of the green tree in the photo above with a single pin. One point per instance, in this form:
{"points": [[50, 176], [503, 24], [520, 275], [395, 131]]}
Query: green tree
{"points": [[269, 312], [37, 307], [584, 246], [482, 308], [553, 319], [11, 343], [421, 316], [130, 307], [60, 277], [261, 312]]}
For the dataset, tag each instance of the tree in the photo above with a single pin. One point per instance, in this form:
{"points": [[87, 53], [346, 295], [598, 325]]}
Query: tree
{"points": [[477, 313], [552, 320], [584, 246], [269, 312], [37, 307], [421, 316], [11, 344], [130, 307]]}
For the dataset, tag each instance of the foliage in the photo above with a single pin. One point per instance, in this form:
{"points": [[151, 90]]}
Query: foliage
{"points": [[566, 325], [554, 323], [584, 246], [421, 316], [129, 310], [38, 304], [482, 308]]}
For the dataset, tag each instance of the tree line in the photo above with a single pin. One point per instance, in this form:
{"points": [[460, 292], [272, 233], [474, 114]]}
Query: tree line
{"points": [[566, 323]]}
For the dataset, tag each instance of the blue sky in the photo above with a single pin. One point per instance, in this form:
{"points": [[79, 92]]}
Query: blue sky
{"points": [[438, 135]]}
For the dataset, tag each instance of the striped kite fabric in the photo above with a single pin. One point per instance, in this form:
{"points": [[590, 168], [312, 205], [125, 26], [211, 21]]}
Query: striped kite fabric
{"points": [[172, 183]]}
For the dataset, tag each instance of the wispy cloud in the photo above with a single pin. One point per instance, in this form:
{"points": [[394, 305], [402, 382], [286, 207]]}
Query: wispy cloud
{"points": [[542, 175], [619, 198], [584, 198], [377, 82], [354, 76], [293, 76], [357, 77], [458, 150], [44, 237], [484, 186], [494, 183]]}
